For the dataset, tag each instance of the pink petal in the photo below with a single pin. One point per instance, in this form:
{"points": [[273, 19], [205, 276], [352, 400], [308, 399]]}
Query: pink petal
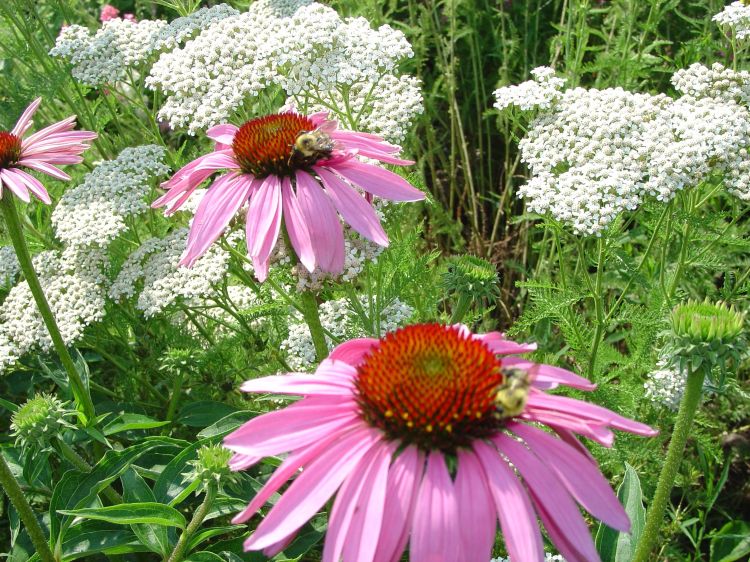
{"points": [[24, 122], [352, 206], [296, 226], [312, 488], [295, 426], [219, 205], [476, 513], [264, 224], [359, 507], [323, 223], [63, 126], [497, 344], [523, 541], [15, 185], [353, 351], [378, 181], [570, 422], [435, 534], [549, 376], [580, 476], [404, 479], [302, 384], [43, 167], [549, 494], [34, 185], [223, 134]]}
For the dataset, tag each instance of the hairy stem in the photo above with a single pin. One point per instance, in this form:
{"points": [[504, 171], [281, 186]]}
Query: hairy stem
{"points": [[311, 314], [200, 514], [77, 461]]}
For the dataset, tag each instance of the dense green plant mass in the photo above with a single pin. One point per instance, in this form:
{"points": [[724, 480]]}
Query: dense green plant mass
{"points": [[574, 207]]}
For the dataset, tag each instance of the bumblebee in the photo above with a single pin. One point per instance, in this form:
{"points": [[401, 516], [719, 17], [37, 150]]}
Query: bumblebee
{"points": [[311, 146], [512, 393]]}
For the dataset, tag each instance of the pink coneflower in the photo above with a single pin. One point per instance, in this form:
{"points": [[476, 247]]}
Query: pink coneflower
{"points": [[429, 436], [108, 12], [56, 144], [300, 167]]}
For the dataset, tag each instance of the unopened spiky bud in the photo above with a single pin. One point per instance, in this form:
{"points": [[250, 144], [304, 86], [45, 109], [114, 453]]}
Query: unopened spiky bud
{"points": [[212, 465], [39, 420]]}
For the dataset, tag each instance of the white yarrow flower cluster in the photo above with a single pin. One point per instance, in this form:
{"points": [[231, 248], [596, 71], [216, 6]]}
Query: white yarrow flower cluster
{"points": [[311, 53], [665, 385], [72, 283], [339, 319], [153, 272], [540, 92], [717, 82], [734, 19], [595, 153], [104, 57], [178, 31], [547, 558], [9, 266], [96, 211]]}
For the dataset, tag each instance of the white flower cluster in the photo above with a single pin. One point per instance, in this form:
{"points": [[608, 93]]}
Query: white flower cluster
{"points": [[595, 153], [735, 20], [9, 266], [154, 268], [96, 211], [306, 49], [716, 82], [540, 92], [339, 319], [547, 558], [665, 385], [105, 56], [72, 284], [180, 30]]}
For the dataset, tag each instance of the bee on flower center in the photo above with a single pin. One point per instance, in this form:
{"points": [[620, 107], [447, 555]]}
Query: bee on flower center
{"points": [[311, 146], [511, 395]]}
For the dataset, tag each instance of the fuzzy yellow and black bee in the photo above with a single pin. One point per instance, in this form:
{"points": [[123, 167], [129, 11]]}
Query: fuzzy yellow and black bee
{"points": [[511, 395], [311, 146]]}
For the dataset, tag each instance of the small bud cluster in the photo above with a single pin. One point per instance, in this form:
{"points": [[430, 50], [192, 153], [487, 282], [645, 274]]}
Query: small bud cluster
{"points": [[39, 420]]}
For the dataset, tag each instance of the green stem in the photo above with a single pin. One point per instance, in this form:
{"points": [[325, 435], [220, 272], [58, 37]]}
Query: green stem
{"points": [[174, 397], [598, 308], [684, 243], [688, 406], [461, 308], [311, 314], [13, 490], [80, 391], [75, 459], [181, 548]]}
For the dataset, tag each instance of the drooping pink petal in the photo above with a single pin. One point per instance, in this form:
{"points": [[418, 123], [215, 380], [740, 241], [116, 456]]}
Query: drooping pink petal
{"points": [[218, 206], [241, 462], [404, 479], [499, 345], [357, 212], [274, 549], [296, 226], [569, 421], [353, 351], [34, 185], [312, 488], [63, 126], [323, 223], [288, 469], [550, 494], [523, 541], [43, 167], [222, 134], [356, 517], [378, 181], [476, 513], [295, 426], [264, 224], [580, 476], [24, 122], [17, 187], [319, 384], [548, 376], [435, 534]]}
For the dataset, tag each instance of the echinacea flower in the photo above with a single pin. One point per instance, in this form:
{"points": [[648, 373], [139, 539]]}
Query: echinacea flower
{"points": [[429, 436], [56, 144], [300, 167]]}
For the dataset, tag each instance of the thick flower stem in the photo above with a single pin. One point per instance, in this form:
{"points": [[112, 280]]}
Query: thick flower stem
{"points": [[11, 487], [311, 315], [599, 309], [688, 406], [200, 514], [80, 392]]}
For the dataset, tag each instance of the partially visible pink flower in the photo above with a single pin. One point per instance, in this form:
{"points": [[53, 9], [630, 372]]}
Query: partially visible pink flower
{"points": [[129, 17], [301, 168], [55, 144], [431, 436], [108, 12]]}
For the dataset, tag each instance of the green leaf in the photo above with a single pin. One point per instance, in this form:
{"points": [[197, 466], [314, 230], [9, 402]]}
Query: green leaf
{"points": [[170, 487], [206, 534], [155, 537], [131, 513], [612, 545], [127, 422], [732, 542], [204, 556], [227, 424], [203, 413], [92, 537]]}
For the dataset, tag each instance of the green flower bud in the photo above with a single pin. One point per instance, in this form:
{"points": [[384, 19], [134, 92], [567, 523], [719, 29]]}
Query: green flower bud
{"points": [[473, 277], [39, 420], [212, 465]]}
